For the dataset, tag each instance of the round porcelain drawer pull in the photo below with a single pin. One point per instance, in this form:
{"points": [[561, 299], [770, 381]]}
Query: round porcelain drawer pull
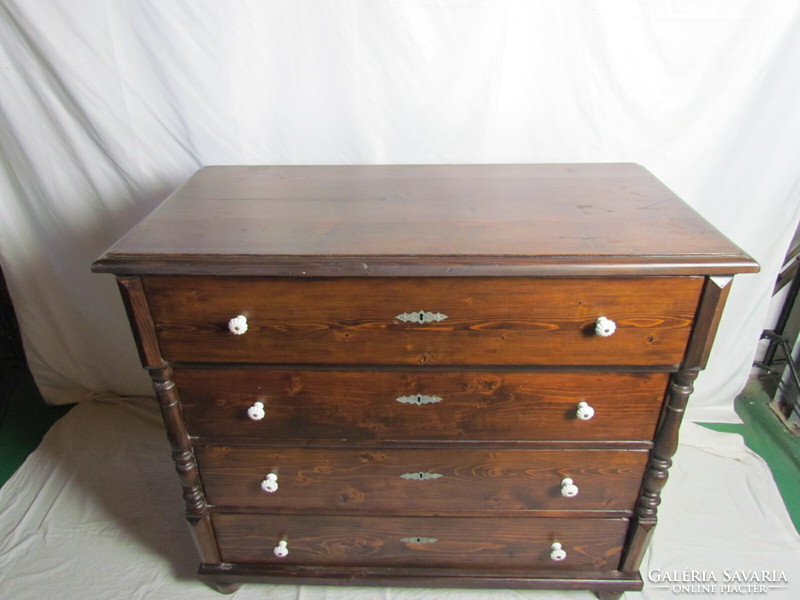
{"points": [[584, 411], [282, 549], [568, 488], [256, 412], [238, 325], [557, 553], [270, 483], [604, 327]]}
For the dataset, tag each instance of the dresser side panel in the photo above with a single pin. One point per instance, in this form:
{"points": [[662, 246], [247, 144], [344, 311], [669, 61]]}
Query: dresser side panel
{"points": [[141, 321], [712, 302]]}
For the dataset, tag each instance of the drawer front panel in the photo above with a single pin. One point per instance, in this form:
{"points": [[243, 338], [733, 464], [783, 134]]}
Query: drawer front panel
{"points": [[407, 480], [423, 541], [424, 321], [355, 406]]}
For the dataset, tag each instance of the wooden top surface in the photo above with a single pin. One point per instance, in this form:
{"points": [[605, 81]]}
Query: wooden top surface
{"points": [[556, 219]]}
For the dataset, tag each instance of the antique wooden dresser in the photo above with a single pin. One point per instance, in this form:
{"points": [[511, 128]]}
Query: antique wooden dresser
{"points": [[458, 376]]}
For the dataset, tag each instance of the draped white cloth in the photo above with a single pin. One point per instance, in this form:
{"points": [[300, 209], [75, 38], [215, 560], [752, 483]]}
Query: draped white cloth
{"points": [[107, 105]]}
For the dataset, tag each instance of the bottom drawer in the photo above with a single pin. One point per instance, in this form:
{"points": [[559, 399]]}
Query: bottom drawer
{"points": [[578, 544]]}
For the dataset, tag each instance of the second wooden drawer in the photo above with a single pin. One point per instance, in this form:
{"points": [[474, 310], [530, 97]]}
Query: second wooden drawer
{"points": [[384, 406]]}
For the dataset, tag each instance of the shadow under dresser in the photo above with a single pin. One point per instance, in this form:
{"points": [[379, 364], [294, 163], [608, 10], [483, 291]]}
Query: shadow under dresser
{"points": [[425, 376]]}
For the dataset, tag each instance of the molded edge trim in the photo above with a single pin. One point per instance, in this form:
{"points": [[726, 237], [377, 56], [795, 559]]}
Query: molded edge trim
{"points": [[424, 266]]}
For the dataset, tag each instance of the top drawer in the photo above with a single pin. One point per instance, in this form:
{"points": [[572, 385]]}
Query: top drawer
{"points": [[414, 321]]}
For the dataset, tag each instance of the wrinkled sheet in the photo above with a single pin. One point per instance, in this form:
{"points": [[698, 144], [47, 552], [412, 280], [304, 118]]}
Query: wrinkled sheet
{"points": [[107, 105], [96, 512]]}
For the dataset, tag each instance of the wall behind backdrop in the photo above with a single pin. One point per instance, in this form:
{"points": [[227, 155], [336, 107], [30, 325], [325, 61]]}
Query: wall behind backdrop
{"points": [[106, 106]]}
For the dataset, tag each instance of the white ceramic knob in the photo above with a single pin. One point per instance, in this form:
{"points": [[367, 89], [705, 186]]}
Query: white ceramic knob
{"points": [[238, 325], [270, 483], [281, 550], [557, 552], [568, 488], [604, 327], [584, 412], [256, 412]]}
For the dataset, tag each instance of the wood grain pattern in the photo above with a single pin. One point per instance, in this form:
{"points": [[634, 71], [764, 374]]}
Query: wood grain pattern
{"points": [[424, 220], [327, 407], [407, 481], [489, 320], [461, 542]]}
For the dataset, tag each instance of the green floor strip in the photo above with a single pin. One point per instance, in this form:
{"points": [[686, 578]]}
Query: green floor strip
{"points": [[767, 436], [27, 419]]}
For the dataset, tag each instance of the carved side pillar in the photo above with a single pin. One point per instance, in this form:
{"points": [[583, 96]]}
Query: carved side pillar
{"points": [[182, 452], [657, 472], [665, 443], [185, 464]]}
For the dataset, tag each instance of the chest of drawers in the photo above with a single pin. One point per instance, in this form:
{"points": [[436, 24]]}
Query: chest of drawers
{"points": [[428, 376]]}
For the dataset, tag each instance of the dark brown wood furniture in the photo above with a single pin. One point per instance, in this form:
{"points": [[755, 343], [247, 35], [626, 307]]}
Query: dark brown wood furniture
{"points": [[465, 375]]}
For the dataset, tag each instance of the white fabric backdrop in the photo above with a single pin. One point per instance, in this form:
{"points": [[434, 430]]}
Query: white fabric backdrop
{"points": [[108, 105]]}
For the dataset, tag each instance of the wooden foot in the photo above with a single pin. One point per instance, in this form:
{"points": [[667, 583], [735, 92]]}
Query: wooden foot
{"points": [[226, 588], [609, 595]]}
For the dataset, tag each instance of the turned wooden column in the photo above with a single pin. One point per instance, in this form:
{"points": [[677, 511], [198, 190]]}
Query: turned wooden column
{"points": [[197, 513]]}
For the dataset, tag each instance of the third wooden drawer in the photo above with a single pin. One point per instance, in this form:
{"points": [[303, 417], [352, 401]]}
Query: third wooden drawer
{"points": [[405, 481]]}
